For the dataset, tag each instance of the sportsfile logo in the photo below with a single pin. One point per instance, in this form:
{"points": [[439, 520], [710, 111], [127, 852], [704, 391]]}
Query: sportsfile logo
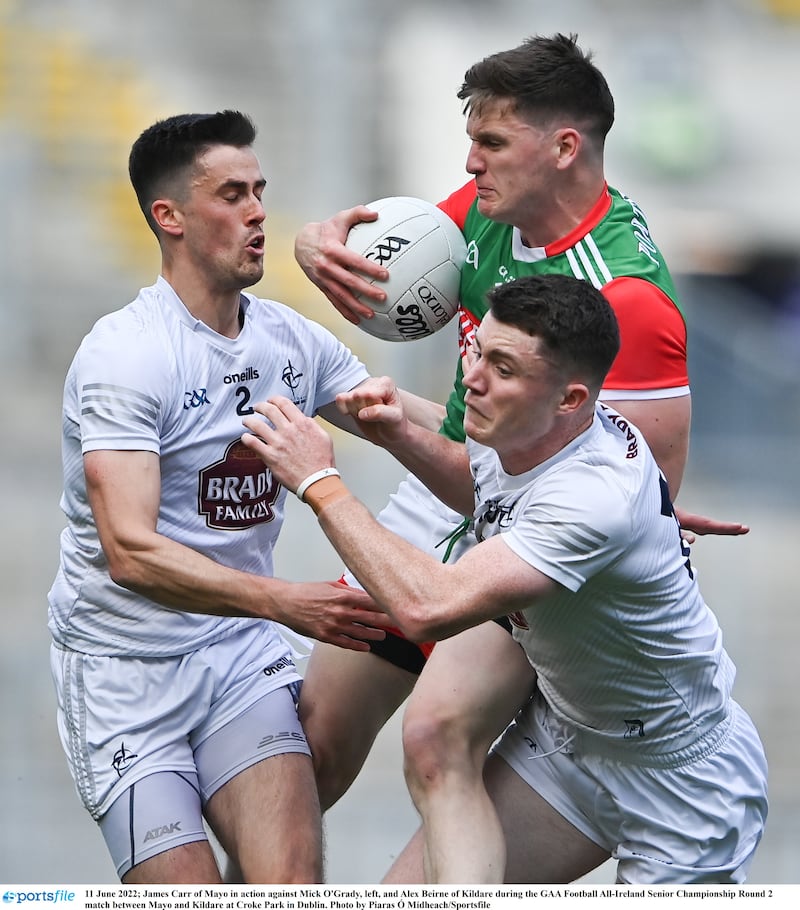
{"points": [[60, 895]]}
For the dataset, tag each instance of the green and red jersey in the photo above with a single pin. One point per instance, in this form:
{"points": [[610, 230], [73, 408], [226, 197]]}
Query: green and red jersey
{"points": [[613, 249]]}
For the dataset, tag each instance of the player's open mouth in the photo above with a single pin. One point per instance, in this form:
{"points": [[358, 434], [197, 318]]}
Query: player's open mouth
{"points": [[256, 244]]}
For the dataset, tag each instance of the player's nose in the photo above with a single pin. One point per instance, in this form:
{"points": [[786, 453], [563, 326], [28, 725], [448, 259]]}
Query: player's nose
{"points": [[475, 163]]}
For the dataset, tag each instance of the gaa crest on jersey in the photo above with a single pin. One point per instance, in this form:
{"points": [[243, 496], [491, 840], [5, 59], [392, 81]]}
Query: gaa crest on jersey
{"points": [[237, 492], [493, 512]]}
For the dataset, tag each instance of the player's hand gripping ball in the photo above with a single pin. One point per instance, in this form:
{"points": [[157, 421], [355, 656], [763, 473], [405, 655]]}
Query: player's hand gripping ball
{"points": [[423, 250]]}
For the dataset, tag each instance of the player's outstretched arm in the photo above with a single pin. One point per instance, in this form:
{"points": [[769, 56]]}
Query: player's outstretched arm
{"points": [[421, 411], [295, 447], [427, 599], [321, 253], [124, 493], [408, 427]]}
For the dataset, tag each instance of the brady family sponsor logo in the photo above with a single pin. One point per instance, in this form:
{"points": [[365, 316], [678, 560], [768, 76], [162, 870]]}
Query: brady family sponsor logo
{"points": [[238, 491]]}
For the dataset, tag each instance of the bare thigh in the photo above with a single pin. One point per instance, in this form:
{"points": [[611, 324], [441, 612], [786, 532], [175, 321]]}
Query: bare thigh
{"points": [[268, 821], [542, 846], [471, 688], [346, 698]]}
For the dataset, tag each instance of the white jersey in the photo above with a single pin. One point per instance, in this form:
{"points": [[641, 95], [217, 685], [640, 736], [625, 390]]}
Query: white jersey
{"points": [[152, 377], [626, 651]]}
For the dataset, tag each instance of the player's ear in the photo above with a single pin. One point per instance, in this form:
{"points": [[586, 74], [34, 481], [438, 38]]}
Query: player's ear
{"points": [[167, 216], [567, 143], [576, 394]]}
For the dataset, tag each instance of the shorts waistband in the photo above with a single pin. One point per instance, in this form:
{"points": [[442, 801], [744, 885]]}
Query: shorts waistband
{"points": [[657, 756]]}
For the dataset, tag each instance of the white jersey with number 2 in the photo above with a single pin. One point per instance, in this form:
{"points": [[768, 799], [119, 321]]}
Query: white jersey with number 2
{"points": [[152, 377]]}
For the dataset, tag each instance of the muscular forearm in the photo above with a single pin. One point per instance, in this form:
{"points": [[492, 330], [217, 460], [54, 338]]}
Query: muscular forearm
{"points": [[422, 411], [182, 579], [428, 600], [403, 424], [178, 577], [411, 586], [440, 463], [124, 491]]}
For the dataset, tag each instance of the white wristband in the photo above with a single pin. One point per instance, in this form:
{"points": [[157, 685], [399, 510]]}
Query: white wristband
{"points": [[313, 478]]}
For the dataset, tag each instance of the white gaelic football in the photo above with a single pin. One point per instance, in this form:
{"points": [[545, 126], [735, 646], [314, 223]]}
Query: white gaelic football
{"points": [[424, 250]]}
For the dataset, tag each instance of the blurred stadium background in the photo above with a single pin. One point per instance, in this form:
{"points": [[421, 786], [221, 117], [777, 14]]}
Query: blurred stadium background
{"points": [[356, 99]]}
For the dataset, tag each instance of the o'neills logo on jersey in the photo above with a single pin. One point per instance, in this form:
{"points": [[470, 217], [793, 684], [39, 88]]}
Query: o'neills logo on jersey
{"points": [[237, 492], [248, 375]]}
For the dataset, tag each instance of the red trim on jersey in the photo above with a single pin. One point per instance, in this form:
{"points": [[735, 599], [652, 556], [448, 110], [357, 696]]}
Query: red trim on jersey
{"points": [[467, 327], [652, 352], [596, 214], [424, 647], [458, 204]]}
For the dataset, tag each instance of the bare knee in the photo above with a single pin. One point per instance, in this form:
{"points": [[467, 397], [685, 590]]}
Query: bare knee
{"points": [[470, 690], [437, 745]]}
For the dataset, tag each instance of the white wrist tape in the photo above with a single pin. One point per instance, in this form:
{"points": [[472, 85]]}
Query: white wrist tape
{"points": [[300, 492]]}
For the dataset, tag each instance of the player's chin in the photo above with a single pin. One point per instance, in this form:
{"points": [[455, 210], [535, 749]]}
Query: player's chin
{"points": [[251, 273], [475, 426], [487, 204]]}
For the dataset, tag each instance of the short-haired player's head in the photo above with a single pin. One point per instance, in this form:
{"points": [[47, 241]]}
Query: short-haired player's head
{"points": [[546, 80], [163, 158], [570, 317]]}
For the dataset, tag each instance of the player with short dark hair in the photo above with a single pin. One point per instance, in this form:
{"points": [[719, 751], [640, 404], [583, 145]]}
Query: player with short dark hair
{"points": [[176, 689], [538, 203], [632, 746], [164, 155]]}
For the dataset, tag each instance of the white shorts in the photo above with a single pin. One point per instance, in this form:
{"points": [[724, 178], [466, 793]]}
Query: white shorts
{"points": [[694, 822], [123, 719], [165, 809]]}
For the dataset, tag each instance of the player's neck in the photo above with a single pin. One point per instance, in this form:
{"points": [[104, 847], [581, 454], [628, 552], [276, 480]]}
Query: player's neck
{"points": [[219, 309], [531, 456], [566, 208]]}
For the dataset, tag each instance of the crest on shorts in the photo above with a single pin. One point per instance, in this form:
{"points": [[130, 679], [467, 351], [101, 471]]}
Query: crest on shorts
{"points": [[123, 759]]}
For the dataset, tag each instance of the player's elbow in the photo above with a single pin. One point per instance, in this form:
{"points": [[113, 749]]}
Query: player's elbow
{"points": [[122, 564], [122, 572], [424, 620]]}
